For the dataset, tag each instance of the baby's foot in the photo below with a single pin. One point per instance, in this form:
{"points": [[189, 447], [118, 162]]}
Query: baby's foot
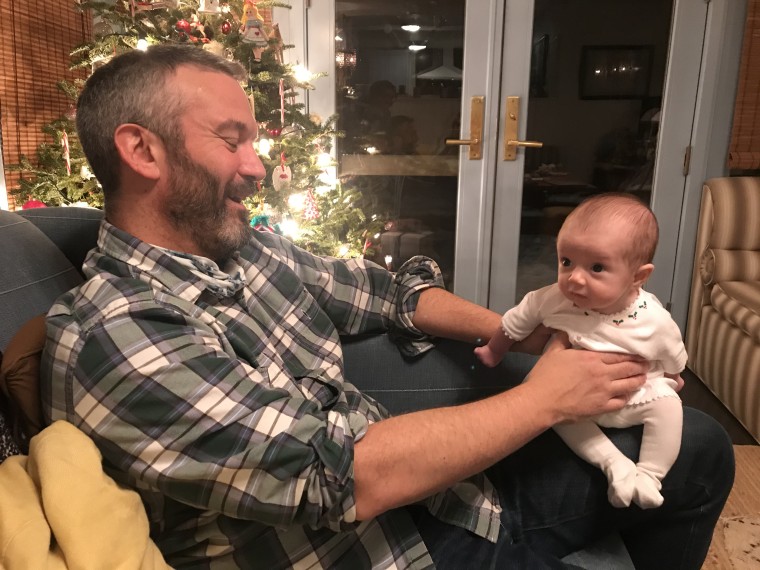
{"points": [[622, 481], [487, 356], [646, 493]]}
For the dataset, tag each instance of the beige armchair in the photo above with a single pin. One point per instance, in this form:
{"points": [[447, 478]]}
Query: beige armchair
{"points": [[723, 328]]}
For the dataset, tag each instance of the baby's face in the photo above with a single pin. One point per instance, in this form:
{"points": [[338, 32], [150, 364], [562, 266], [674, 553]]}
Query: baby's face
{"points": [[593, 271]]}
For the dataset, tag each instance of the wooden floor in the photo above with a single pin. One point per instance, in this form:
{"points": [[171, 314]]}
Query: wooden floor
{"points": [[696, 395]]}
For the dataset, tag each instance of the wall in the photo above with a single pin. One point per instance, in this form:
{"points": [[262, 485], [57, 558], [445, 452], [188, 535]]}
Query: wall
{"points": [[34, 56]]}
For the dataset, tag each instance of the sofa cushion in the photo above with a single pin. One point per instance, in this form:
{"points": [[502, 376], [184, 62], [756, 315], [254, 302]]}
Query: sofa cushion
{"points": [[19, 377], [73, 230], [33, 273], [739, 303]]}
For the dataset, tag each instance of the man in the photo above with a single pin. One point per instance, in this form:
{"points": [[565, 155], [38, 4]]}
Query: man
{"points": [[205, 363]]}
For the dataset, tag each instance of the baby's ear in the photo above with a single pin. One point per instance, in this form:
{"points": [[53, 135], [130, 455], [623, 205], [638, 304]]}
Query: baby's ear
{"points": [[642, 274]]}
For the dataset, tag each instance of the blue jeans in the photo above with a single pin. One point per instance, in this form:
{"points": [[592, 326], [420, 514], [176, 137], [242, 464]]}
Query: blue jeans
{"points": [[554, 503]]}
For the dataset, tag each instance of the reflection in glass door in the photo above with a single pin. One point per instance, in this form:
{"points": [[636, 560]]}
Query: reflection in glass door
{"points": [[398, 81], [596, 88]]}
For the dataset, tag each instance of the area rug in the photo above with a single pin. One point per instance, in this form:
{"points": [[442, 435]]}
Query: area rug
{"points": [[736, 540]]}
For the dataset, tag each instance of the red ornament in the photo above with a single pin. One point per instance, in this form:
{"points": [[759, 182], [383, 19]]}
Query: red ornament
{"points": [[182, 26], [226, 27], [312, 209], [274, 131], [33, 204]]}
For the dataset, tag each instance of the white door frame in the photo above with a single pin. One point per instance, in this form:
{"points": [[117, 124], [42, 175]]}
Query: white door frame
{"points": [[711, 133]]}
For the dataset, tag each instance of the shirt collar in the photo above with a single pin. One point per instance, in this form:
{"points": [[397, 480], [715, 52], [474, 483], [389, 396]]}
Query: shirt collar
{"points": [[185, 275]]}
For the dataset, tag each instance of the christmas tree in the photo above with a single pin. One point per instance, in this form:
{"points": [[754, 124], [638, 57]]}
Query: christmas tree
{"points": [[300, 196]]}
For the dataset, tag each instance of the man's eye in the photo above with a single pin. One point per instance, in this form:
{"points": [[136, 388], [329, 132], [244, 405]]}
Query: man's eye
{"points": [[565, 262], [232, 144], [597, 268]]}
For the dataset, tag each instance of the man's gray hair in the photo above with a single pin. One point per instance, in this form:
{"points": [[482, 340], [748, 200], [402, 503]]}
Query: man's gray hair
{"points": [[131, 88]]}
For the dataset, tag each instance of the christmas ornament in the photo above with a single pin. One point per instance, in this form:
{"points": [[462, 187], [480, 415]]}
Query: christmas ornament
{"points": [[226, 27], [31, 204], [210, 7], [252, 29], [312, 209], [273, 131], [85, 172], [182, 26], [66, 152], [281, 177]]}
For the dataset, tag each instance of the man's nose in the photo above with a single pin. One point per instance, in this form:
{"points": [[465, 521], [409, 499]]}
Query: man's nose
{"points": [[251, 165]]}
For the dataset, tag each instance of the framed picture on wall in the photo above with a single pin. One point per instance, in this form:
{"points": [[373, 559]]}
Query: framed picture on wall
{"points": [[615, 72]]}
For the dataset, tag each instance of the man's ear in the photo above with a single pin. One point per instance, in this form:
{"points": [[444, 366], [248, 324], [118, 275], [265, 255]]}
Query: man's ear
{"points": [[139, 149], [642, 274]]}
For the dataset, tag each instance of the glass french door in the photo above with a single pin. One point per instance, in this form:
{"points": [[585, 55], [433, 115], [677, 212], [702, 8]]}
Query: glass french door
{"points": [[407, 77], [606, 88]]}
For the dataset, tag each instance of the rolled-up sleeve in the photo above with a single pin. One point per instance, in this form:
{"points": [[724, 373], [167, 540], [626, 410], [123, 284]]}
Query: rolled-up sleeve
{"points": [[169, 406], [360, 296]]}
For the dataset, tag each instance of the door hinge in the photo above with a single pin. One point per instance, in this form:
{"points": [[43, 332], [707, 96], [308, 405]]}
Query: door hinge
{"points": [[686, 160]]}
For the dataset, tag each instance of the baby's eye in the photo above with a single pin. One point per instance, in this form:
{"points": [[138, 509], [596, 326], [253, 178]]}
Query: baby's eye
{"points": [[597, 268], [565, 262]]}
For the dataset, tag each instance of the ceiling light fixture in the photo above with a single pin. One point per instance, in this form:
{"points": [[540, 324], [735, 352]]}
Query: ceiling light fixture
{"points": [[411, 28], [416, 47]]}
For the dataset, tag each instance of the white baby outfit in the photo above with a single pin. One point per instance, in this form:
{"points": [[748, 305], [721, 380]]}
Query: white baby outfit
{"points": [[644, 328]]}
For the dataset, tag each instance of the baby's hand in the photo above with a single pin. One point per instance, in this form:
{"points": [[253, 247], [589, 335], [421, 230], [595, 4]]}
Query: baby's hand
{"points": [[487, 356], [679, 381]]}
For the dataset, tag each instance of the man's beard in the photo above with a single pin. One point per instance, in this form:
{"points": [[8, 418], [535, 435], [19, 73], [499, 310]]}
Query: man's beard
{"points": [[196, 209]]}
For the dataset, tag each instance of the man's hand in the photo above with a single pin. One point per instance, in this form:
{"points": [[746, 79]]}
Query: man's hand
{"points": [[583, 383]]}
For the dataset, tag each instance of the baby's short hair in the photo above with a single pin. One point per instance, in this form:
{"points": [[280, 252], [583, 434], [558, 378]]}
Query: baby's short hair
{"points": [[626, 209]]}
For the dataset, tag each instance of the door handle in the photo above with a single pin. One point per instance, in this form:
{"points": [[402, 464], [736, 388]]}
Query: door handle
{"points": [[511, 142], [475, 142]]}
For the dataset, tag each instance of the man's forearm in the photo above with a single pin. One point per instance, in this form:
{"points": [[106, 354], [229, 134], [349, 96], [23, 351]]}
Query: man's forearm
{"points": [[443, 314], [406, 458]]}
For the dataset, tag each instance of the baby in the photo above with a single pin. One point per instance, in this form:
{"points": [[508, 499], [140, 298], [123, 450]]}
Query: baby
{"points": [[605, 249]]}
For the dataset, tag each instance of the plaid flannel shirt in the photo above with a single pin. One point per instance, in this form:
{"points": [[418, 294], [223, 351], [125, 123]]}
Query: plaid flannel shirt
{"points": [[228, 411]]}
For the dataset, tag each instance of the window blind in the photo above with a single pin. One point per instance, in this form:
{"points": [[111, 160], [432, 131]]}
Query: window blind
{"points": [[744, 150], [36, 38]]}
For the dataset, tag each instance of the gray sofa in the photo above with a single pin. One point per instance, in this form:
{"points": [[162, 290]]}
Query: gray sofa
{"points": [[41, 251]]}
